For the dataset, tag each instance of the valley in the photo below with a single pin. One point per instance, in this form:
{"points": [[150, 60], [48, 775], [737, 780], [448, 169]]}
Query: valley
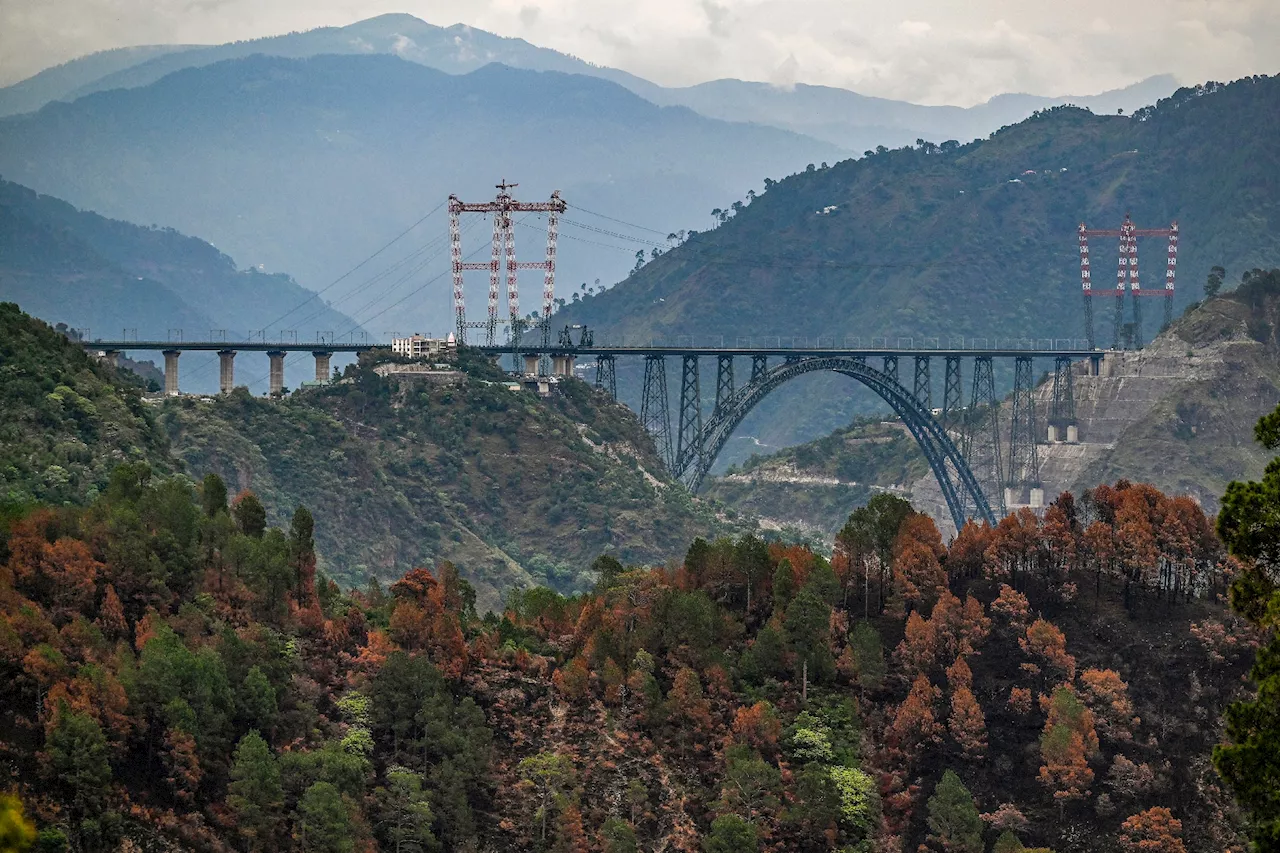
{"points": [[809, 509]]}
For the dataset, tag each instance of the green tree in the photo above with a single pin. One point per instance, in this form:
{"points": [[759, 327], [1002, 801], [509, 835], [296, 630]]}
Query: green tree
{"points": [[302, 554], [1007, 843], [255, 795], [250, 515], [868, 656], [784, 585], [607, 569], [1249, 524], [731, 834], [617, 836], [257, 700], [1213, 284], [550, 776], [750, 783], [324, 821], [808, 626], [405, 815], [213, 495], [77, 761], [859, 801], [953, 820]]}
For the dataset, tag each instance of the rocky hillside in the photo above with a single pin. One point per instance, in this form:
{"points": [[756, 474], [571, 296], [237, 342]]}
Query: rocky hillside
{"points": [[515, 489]]}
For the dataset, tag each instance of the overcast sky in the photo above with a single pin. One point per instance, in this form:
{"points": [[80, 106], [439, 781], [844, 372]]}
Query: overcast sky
{"points": [[928, 51]]}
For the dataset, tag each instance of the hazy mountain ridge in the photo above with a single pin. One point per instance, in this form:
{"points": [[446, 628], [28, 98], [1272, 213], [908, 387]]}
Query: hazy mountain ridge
{"points": [[308, 165], [838, 116]]}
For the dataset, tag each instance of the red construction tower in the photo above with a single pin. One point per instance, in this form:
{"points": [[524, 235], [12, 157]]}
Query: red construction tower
{"points": [[1128, 235], [504, 245]]}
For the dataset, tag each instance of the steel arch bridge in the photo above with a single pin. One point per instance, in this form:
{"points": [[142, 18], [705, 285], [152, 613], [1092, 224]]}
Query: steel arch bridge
{"points": [[960, 488]]}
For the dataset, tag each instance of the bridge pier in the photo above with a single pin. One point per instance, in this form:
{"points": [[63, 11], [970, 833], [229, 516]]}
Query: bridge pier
{"points": [[322, 365], [653, 407], [276, 386], [1024, 459], [111, 357], [531, 360], [226, 370], [952, 393], [923, 387], [759, 366], [981, 444], [562, 364], [891, 367], [724, 380], [171, 372], [607, 375], [690, 430], [1062, 411]]}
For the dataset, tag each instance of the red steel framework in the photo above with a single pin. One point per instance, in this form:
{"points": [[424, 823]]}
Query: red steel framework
{"points": [[503, 253], [1128, 236]]}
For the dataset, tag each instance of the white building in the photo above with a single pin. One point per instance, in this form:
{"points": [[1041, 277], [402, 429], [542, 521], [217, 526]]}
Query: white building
{"points": [[418, 346]]}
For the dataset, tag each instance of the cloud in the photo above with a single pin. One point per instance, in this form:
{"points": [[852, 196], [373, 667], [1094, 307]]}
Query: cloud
{"points": [[928, 51]]}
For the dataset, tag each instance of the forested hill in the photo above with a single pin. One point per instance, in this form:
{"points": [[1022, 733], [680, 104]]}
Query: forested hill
{"points": [[66, 421], [79, 268], [947, 240], [177, 676], [515, 490]]}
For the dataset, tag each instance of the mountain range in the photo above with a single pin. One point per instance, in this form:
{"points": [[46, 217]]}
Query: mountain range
{"points": [[304, 152], [839, 116]]}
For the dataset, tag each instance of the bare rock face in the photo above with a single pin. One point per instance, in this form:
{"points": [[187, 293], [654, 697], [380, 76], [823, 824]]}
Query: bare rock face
{"points": [[1178, 414]]}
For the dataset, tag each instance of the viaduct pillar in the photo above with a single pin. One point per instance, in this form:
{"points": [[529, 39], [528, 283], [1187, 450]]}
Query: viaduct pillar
{"points": [[322, 365], [111, 357], [171, 372], [531, 360], [277, 371], [226, 370]]}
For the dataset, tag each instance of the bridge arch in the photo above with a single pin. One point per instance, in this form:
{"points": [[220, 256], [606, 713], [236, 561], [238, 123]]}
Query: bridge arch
{"points": [[959, 486]]}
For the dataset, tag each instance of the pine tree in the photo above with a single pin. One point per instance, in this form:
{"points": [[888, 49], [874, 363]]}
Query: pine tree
{"points": [[967, 724], [1249, 761], [324, 821], [731, 834], [77, 760], [954, 824], [255, 795]]}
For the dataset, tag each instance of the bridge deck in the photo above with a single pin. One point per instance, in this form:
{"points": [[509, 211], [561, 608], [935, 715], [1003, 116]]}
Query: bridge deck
{"points": [[745, 352]]}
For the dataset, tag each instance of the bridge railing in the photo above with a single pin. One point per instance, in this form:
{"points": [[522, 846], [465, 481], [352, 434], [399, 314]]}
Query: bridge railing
{"points": [[838, 342]]}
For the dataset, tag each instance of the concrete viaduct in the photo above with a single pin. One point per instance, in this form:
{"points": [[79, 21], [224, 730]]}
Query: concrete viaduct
{"points": [[322, 352]]}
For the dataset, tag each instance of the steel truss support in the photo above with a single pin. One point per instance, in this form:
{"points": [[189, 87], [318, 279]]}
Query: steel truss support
{"points": [[923, 388], [891, 367], [952, 394], [956, 480], [688, 448], [1062, 412], [653, 406], [724, 380], [759, 366], [1024, 462], [981, 444], [607, 375]]}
